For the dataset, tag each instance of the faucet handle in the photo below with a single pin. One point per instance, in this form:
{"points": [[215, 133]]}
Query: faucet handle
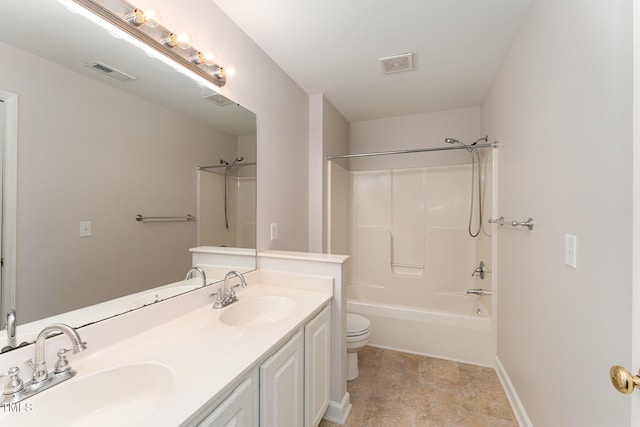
{"points": [[15, 383], [62, 365], [220, 297]]}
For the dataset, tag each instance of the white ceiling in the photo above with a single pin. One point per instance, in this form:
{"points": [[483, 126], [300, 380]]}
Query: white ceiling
{"points": [[333, 46]]}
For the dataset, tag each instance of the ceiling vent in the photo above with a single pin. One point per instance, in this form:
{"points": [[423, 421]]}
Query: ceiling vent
{"points": [[397, 63], [110, 71], [219, 100]]}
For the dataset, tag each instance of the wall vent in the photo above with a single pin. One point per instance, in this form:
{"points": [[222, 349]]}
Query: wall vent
{"points": [[110, 71], [397, 63], [219, 100]]}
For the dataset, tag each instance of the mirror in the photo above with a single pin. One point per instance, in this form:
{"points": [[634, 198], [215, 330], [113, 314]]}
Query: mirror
{"points": [[94, 151]]}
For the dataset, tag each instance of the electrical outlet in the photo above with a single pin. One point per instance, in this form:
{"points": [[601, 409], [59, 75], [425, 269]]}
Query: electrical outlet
{"points": [[274, 231]]}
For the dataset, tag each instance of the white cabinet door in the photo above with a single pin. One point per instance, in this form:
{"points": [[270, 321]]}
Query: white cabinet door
{"points": [[317, 353], [240, 409], [281, 386]]}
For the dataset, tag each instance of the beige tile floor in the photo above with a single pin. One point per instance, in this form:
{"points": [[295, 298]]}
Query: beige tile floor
{"points": [[404, 390]]}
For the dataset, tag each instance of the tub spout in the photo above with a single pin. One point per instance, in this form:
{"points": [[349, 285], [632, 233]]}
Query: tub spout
{"points": [[478, 291]]}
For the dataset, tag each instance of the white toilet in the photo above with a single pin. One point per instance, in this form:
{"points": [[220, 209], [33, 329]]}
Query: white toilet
{"points": [[358, 333]]}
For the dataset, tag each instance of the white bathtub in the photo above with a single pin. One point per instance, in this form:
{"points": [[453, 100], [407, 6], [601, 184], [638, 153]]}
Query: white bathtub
{"points": [[445, 325]]}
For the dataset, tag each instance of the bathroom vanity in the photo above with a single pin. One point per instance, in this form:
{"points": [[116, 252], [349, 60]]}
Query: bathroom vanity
{"points": [[264, 360]]}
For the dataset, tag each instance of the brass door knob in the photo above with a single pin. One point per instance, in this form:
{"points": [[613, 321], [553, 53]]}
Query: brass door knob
{"points": [[622, 379]]}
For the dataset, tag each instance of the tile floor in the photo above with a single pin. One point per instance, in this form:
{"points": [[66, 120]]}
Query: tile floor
{"points": [[405, 390]]}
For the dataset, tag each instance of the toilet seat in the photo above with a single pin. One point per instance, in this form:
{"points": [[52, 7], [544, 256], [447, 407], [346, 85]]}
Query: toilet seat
{"points": [[357, 325]]}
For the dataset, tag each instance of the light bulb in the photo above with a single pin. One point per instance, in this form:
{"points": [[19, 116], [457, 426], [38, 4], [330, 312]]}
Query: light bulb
{"points": [[140, 17], [209, 57], [183, 38], [152, 18]]}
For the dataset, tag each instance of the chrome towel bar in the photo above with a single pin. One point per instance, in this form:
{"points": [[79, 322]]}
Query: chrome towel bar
{"points": [[501, 221], [142, 218]]}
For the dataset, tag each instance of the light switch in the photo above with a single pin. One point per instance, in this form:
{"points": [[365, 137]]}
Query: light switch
{"points": [[85, 228], [570, 250]]}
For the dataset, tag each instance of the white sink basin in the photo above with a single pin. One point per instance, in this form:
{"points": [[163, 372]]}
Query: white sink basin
{"points": [[257, 311], [125, 395], [160, 294]]}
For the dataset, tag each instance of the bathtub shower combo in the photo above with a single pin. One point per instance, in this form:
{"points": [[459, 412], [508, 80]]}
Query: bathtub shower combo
{"points": [[419, 249]]}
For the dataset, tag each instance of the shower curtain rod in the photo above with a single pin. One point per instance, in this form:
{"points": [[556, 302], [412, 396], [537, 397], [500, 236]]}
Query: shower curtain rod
{"points": [[417, 150], [204, 168]]}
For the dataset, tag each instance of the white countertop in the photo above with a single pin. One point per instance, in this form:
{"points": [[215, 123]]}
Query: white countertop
{"points": [[204, 354]]}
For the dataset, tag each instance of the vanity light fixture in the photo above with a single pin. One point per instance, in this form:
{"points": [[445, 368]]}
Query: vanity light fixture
{"points": [[144, 30], [140, 17]]}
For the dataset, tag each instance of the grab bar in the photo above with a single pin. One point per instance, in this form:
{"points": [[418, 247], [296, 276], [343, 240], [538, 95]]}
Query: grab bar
{"points": [[501, 221], [142, 218]]}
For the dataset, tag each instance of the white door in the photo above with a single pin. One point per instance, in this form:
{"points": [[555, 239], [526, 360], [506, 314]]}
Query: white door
{"points": [[619, 377]]}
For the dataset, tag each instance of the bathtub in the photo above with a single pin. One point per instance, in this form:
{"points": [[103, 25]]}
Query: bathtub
{"points": [[452, 326]]}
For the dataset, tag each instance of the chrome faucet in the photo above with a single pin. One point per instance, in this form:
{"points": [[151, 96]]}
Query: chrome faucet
{"points": [[16, 391], [39, 366], [478, 291], [226, 294], [199, 270], [480, 270], [11, 329]]}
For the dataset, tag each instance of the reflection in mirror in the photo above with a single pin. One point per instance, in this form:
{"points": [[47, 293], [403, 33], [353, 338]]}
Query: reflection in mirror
{"points": [[94, 151], [226, 204]]}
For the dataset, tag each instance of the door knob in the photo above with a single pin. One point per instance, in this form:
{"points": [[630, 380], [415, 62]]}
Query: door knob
{"points": [[622, 379]]}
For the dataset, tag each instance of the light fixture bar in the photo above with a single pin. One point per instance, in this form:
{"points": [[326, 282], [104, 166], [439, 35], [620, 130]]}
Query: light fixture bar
{"points": [[217, 76]]}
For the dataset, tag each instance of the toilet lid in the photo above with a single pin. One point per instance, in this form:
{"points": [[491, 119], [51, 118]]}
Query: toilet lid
{"points": [[357, 325]]}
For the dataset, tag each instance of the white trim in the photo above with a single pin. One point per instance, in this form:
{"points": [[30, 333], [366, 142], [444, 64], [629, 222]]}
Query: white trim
{"points": [[635, 228], [9, 196], [338, 412], [512, 395]]}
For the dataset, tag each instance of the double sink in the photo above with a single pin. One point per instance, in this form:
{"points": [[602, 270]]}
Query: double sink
{"points": [[137, 390]]}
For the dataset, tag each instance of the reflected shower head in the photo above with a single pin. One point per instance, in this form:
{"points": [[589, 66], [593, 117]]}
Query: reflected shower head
{"points": [[238, 159], [454, 141]]}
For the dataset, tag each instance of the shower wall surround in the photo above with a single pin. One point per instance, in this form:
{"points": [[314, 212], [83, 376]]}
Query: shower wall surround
{"points": [[241, 203], [409, 229]]}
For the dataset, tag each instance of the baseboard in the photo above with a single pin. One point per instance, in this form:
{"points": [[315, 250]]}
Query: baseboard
{"points": [[514, 400], [338, 412]]}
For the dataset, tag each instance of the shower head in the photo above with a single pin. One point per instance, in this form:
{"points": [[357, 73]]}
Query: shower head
{"points": [[452, 141], [455, 141], [238, 159]]}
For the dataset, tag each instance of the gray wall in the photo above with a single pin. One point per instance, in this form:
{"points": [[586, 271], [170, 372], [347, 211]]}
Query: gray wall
{"points": [[561, 105]]}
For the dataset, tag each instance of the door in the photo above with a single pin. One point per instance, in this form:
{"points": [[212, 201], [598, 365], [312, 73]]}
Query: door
{"points": [[623, 380]]}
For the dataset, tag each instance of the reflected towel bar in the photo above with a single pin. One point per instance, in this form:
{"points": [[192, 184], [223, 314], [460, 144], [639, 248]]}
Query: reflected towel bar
{"points": [[142, 218], [501, 221]]}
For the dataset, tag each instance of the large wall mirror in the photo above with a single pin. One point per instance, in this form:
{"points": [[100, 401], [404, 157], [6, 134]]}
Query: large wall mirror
{"points": [[99, 150]]}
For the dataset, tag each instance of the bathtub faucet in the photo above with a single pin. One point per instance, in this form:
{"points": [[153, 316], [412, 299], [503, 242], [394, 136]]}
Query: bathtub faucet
{"points": [[480, 270], [478, 291]]}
